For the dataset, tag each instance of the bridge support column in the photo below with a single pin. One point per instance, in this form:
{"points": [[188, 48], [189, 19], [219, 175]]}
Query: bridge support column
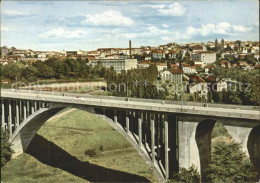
{"points": [[188, 149], [21, 110], [35, 106], [17, 115], [24, 111], [166, 148], [115, 116], [152, 138], [28, 109], [140, 130], [3, 115], [127, 122], [10, 118], [32, 107]]}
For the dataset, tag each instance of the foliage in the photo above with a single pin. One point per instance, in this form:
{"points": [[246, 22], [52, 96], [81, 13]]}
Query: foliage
{"points": [[6, 151], [12, 70], [219, 131], [230, 164], [190, 175], [246, 91], [140, 83], [52, 68], [91, 152]]}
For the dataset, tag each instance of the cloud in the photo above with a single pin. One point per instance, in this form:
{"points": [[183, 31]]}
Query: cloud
{"points": [[165, 26], [14, 13], [155, 6], [256, 23], [61, 33], [108, 18], [223, 28], [175, 9], [153, 31], [4, 28]]}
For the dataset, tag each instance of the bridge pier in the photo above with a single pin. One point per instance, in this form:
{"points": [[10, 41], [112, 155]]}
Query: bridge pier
{"points": [[32, 107], [127, 122], [140, 129], [115, 116], [166, 149], [28, 109], [152, 138], [3, 115], [173, 142], [188, 150], [24, 111], [17, 115], [10, 118]]}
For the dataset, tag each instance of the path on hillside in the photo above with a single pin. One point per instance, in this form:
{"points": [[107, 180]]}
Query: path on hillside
{"points": [[62, 114]]}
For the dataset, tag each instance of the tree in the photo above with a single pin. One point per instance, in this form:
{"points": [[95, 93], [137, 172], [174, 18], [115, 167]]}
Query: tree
{"points": [[190, 175], [152, 73], [6, 151], [230, 164], [12, 70], [30, 73]]}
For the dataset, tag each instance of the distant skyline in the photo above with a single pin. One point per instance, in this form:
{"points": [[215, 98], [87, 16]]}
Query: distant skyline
{"points": [[88, 25]]}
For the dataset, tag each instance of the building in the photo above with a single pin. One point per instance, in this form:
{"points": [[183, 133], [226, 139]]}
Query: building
{"points": [[144, 64], [225, 64], [188, 69], [158, 54], [71, 53], [208, 69], [173, 75], [4, 52], [20, 53], [118, 64], [222, 85], [160, 66], [207, 57], [197, 85]]}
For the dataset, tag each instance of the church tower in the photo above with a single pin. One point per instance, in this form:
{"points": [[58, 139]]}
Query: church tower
{"points": [[222, 44]]}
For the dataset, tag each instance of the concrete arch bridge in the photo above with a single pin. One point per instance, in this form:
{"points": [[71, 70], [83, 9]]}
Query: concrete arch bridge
{"points": [[167, 135]]}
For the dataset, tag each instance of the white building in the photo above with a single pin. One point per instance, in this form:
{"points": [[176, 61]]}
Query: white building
{"points": [[201, 88], [207, 57], [118, 64], [161, 66], [173, 75], [222, 85], [189, 69]]}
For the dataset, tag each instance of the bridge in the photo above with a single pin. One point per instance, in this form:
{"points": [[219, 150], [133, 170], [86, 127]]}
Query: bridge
{"points": [[167, 134]]}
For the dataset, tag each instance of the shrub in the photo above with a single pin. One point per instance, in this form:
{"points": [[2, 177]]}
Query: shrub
{"points": [[6, 151], [91, 152], [190, 175]]}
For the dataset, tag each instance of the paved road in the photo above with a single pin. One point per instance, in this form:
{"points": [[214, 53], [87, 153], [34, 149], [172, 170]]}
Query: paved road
{"points": [[158, 107]]}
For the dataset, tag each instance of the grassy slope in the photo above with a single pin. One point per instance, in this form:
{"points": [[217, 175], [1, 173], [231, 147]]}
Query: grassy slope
{"points": [[75, 133]]}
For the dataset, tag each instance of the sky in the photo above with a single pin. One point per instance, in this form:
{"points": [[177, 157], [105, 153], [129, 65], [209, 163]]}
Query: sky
{"points": [[88, 25]]}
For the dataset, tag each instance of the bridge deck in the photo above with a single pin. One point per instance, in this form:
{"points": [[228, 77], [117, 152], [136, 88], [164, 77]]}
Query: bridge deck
{"points": [[146, 106]]}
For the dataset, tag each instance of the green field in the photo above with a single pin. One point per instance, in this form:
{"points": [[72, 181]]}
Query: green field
{"points": [[78, 147]]}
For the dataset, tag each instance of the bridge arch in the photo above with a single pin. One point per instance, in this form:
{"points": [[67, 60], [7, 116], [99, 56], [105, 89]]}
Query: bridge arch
{"points": [[253, 146], [203, 140], [23, 135]]}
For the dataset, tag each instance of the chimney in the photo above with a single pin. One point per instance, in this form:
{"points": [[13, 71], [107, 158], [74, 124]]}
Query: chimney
{"points": [[130, 51]]}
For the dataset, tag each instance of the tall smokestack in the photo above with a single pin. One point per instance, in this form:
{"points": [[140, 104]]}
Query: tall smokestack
{"points": [[130, 49]]}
